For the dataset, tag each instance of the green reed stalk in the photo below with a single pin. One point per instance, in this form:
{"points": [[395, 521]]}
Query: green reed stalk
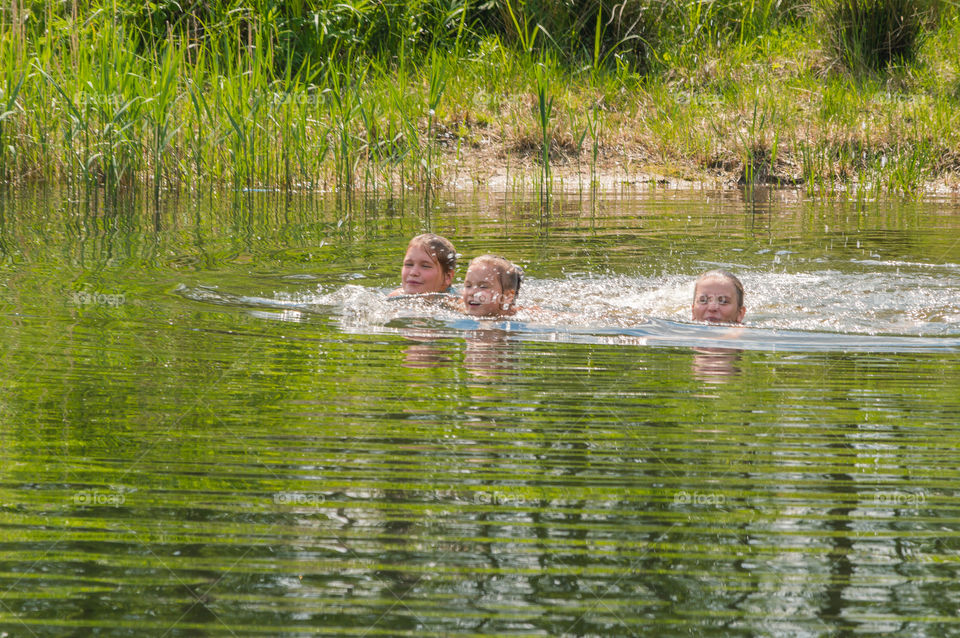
{"points": [[240, 102], [396, 149], [197, 89], [117, 105], [11, 90], [160, 105], [595, 124], [907, 168], [408, 148], [439, 74], [261, 72], [597, 39], [807, 171], [370, 148], [343, 110], [391, 147], [753, 143], [526, 30], [544, 112], [313, 160], [292, 102], [580, 134], [40, 99], [77, 123]]}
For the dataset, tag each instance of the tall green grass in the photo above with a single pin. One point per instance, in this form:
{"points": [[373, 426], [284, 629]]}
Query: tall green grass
{"points": [[12, 77], [439, 72], [873, 34], [160, 109], [318, 94], [544, 114]]}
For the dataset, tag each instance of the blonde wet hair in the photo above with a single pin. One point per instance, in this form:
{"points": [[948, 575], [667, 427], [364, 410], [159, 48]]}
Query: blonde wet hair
{"points": [[439, 248], [726, 275], [509, 274]]}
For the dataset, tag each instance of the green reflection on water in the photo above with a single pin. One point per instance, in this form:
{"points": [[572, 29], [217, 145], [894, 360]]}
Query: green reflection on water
{"points": [[170, 465]]}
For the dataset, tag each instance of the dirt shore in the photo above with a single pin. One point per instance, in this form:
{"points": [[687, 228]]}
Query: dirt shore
{"points": [[494, 169]]}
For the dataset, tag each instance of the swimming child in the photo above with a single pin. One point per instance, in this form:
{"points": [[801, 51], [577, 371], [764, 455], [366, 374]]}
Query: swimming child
{"points": [[718, 298], [428, 266], [491, 287]]}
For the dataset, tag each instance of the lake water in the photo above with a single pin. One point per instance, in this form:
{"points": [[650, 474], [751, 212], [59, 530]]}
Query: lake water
{"points": [[212, 423]]}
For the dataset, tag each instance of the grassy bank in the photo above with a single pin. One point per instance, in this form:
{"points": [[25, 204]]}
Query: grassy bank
{"points": [[858, 96]]}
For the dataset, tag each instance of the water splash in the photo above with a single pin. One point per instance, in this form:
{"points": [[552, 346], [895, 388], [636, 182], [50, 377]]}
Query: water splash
{"points": [[912, 305]]}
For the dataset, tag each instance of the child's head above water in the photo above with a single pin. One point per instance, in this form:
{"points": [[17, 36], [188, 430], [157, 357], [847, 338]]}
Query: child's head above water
{"points": [[718, 298], [428, 265], [491, 286]]}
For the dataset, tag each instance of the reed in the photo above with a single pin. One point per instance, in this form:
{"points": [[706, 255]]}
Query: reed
{"points": [[544, 112], [239, 100], [579, 132], [390, 94], [76, 137], [200, 113], [397, 144], [909, 167], [292, 99], [439, 72], [595, 126], [12, 83], [526, 28], [757, 156], [117, 109], [160, 107], [368, 110], [872, 34], [343, 111]]}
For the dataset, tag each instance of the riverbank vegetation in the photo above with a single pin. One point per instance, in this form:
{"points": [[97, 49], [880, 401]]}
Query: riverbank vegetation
{"points": [[854, 96]]}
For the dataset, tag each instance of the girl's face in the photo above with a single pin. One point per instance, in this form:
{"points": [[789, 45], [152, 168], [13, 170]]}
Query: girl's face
{"points": [[483, 294], [715, 300], [421, 273]]}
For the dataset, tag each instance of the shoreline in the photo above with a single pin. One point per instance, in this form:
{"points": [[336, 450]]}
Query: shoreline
{"points": [[94, 98], [475, 170]]}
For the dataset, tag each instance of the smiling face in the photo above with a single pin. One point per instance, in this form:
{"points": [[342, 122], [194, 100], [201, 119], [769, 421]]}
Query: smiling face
{"points": [[715, 300], [422, 274], [483, 294]]}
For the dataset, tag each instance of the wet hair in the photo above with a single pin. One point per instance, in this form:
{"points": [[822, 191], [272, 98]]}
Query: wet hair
{"points": [[721, 274], [510, 274], [440, 248]]}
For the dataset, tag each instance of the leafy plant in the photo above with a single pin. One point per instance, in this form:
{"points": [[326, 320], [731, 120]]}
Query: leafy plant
{"points": [[870, 35]]}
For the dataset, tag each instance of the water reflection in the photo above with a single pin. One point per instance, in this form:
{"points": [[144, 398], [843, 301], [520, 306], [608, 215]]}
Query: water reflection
{"points": [[425, 351], [443, 476], [716, 365], [487, 352]]}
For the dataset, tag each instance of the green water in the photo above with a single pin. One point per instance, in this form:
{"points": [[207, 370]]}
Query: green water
{"points": [[211, 424]]}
